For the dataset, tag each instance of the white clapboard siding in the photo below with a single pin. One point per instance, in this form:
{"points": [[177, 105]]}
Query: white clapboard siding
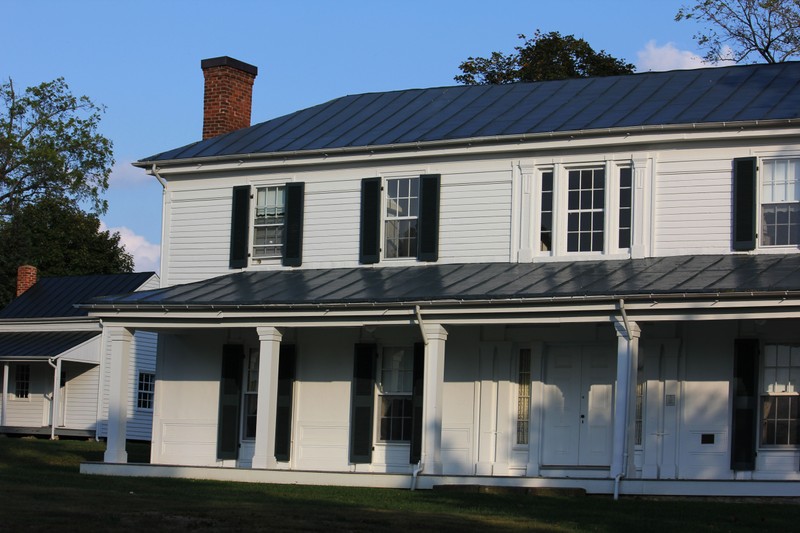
{"points": [[199, 234], [140, 421], [475, 217], [693, 203], [28, 412], [331, 222], [80, 410], [143, 358]]}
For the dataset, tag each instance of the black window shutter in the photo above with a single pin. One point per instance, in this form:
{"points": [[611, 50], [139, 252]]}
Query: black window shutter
{"points": [[370, 233], [418, 383], [744, 203], [428, 230], [362, 403], [745, 404], [240, 226], [283, 421], [230, 397], [293, 225]]}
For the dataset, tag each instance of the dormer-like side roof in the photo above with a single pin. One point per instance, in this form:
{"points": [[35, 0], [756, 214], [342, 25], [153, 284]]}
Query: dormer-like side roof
{"points": [[711, 96], [57, 297]]}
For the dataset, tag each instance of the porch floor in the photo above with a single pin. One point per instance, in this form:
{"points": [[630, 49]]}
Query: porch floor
{"points": [[631, 487], [45, 431]]}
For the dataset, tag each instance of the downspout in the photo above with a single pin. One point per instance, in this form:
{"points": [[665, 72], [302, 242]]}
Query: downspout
{"points": [[54, 407], [420, 466], [623, 392], [421, 325], [161, 180]]}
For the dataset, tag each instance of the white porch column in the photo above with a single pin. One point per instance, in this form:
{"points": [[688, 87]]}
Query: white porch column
{"points": [[269, 351], [432, 398], [5, 393], [121, 339], [55, 404], [627, 360]]}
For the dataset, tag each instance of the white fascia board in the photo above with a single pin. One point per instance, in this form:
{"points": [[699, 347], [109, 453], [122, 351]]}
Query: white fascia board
{"points": [[543, 313], [50, 325], [597, 140]]}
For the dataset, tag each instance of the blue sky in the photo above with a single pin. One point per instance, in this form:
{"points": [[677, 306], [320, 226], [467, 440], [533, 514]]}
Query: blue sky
{"points": [[141, 59]]}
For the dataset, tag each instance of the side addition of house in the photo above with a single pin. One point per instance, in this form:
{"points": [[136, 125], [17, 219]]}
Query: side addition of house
{"points": [[56, 360], [581, 283]]}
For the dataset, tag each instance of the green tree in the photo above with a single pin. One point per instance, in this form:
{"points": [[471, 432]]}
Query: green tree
{"points": [[59, 239], [545, 56], [746, 30], [50, 147]]}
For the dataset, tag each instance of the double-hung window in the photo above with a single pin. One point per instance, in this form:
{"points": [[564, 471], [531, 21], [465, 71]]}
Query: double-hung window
{"points": [[145, 390], [780, 202], [268, 222], [267, 225], [250, 392], [584, 209], [401, 217], [22, 382], [394, 389], [780, 400]]}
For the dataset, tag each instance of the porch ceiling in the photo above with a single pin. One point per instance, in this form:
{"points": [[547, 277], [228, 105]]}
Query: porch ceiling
{"points": [[684, 277]]}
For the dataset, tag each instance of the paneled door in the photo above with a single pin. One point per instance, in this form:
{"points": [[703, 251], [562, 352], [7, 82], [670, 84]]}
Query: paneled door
{"points": [[578, 409]]}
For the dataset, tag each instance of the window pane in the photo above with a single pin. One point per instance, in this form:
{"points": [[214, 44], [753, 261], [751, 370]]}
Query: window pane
{"points": [[574, 200]]}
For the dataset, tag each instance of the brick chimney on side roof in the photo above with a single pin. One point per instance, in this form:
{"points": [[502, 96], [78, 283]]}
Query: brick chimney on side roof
{"points": [[27, 276], [228, 95]]}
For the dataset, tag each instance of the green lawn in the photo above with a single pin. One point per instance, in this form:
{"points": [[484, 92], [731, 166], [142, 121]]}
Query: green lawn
{"points": [[41, 489]]}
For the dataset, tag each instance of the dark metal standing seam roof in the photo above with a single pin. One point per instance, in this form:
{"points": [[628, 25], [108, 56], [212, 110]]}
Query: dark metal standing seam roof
{"points": [[687, 275], [40, 344], [681, 97], [56, 297]]}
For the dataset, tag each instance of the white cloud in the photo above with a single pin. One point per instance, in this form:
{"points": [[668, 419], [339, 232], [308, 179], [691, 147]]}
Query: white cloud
{"points": [[146, 255], [667, 57], [124, 175]]}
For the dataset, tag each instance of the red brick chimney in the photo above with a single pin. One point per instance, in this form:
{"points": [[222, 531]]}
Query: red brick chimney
{"points": [[228, 95], [26, 278]]}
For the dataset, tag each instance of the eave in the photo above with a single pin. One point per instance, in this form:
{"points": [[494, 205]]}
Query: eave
{"points": [[476, 145]]}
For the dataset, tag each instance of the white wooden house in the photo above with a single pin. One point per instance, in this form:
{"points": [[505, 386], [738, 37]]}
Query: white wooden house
{"points": [[55, 359], [582, 283]]}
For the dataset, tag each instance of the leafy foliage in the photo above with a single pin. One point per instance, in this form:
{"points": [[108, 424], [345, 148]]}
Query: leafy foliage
{"points": [[50, 147], [60, 240], [545, 56], [741, 30]]}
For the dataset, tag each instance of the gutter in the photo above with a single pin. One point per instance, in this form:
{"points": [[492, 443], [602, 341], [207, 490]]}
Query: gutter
{"points": [[483, 140], [611, 300]]}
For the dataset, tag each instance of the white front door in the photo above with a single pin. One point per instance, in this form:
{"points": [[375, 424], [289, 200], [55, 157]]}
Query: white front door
{"points": [[578, 410]]}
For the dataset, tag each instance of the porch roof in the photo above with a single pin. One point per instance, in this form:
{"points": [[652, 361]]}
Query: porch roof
{"points": [[40, 345], [684, 276]]}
